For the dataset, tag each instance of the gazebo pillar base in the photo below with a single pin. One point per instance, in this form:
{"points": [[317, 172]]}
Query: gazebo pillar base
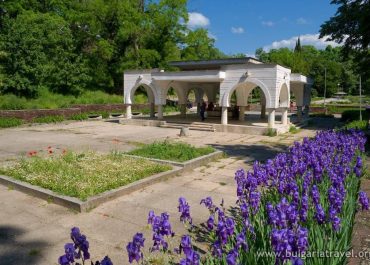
{"points": [[299, 113], [284, 116], [242, 113], [271, 118], [182, 110], [224, 116], [263, 111], [160, 112], [152, 110], [128, 112]]}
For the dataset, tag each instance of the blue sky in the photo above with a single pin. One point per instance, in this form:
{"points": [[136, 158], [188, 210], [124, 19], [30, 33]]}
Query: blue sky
{"points": [[242, 26]]}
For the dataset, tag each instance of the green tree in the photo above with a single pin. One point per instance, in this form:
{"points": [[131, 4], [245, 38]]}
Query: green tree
{"points": [[40, 52], [351, 26]]}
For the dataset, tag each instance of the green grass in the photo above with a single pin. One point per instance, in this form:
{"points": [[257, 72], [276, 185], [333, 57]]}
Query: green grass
{"points": [[293, 129], [360, 125], [353, 115], [270, 132], [82, 175], [10, 122], [166, 150], [48, 100], [49, 119], [79, 117]]}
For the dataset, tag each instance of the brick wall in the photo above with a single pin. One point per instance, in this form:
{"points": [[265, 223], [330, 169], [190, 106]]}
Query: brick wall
{"points": [[30, 114]]}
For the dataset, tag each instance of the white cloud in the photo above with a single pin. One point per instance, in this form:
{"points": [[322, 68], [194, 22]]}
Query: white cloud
{"points": [[268, 23], [211, 35], [307, 39], [301, 21], [197, 20], [237, 30]]}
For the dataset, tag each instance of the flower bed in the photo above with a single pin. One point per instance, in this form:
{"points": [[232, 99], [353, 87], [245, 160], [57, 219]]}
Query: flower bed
{"points": [[291, 210], [81, 175]]}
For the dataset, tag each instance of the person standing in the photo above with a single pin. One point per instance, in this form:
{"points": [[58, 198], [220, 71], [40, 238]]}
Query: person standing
{"points": [[203, 108]]}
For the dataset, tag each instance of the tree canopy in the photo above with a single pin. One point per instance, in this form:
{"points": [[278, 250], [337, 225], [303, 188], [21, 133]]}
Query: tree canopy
{"points": [[66, 46], [351, 26]]}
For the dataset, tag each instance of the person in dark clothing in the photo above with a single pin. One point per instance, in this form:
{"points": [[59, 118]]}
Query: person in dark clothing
{"points": [[211, 107], [203, 108]]}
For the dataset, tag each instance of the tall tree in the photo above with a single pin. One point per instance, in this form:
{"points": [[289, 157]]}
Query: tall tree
{"points": [[351, 26]]}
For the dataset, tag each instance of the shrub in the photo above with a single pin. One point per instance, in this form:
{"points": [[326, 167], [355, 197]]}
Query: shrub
{"points": [[353, 115], [293, 129], [359, 125], [79, 117], [271, 132], [10, 122], [49, 119]]}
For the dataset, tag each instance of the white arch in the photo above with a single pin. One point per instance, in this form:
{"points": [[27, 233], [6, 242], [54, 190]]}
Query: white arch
{"points": [[151, 91], [227, 95], [179, 92], [284, 95]]}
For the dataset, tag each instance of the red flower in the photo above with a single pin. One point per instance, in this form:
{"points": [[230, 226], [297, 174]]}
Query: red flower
{"points": [[49, 147], [50, 151]]}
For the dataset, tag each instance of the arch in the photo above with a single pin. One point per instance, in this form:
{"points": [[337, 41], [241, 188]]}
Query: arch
{"points": [[150, 89], [198, 93], [284, 96], [178, 90], [227, 95]]}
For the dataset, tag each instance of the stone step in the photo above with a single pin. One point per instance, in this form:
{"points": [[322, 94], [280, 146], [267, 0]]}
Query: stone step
{"points": [[195, 127]]}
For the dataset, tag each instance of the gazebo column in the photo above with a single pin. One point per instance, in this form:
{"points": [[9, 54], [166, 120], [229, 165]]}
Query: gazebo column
{"points": [[271, 118], [284, 116], [128, 112], [198, 108], [160, 112], [152, 110], [224, 115], [242, 113], [263, 111], [307, 111], [299, 113], [182, 110]]}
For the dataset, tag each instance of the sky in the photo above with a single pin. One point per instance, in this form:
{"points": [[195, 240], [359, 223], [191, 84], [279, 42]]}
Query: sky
{"points": [[242, 26]]}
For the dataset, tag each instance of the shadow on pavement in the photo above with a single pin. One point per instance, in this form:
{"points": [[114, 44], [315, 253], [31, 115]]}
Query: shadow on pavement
{"points": [[250, 153], [15, 251]]}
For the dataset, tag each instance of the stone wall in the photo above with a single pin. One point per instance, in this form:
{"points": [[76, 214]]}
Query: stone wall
{"points": [[30, 114]]}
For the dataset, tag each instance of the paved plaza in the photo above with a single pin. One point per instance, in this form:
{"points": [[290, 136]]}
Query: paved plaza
{"points": [[33, 231]]}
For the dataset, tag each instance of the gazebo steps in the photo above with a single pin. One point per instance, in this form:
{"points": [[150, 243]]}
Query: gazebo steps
{"points": [[196, 126]]}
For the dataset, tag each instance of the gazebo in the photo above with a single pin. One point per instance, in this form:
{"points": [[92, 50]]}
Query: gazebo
{"points": [[218, 79]]}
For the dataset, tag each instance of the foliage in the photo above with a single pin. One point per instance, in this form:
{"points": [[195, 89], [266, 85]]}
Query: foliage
{"points": [[48, 100], [10, 122], [341, 73], [49, 119], [358, 125], [166, 150], [79, 117], [353, 115], [350, 26], [66, 46], [40, 52], [80, 175], [271, 132], [293, 129]]}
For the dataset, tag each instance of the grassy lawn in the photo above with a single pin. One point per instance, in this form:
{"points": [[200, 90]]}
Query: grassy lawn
{"points": [[10, 122], [178, 152], [81, 175]]}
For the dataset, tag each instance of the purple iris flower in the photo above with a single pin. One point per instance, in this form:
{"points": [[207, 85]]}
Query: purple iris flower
{"points": [[134, 248], [207, 202], [364, 200], [184, 209]]}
